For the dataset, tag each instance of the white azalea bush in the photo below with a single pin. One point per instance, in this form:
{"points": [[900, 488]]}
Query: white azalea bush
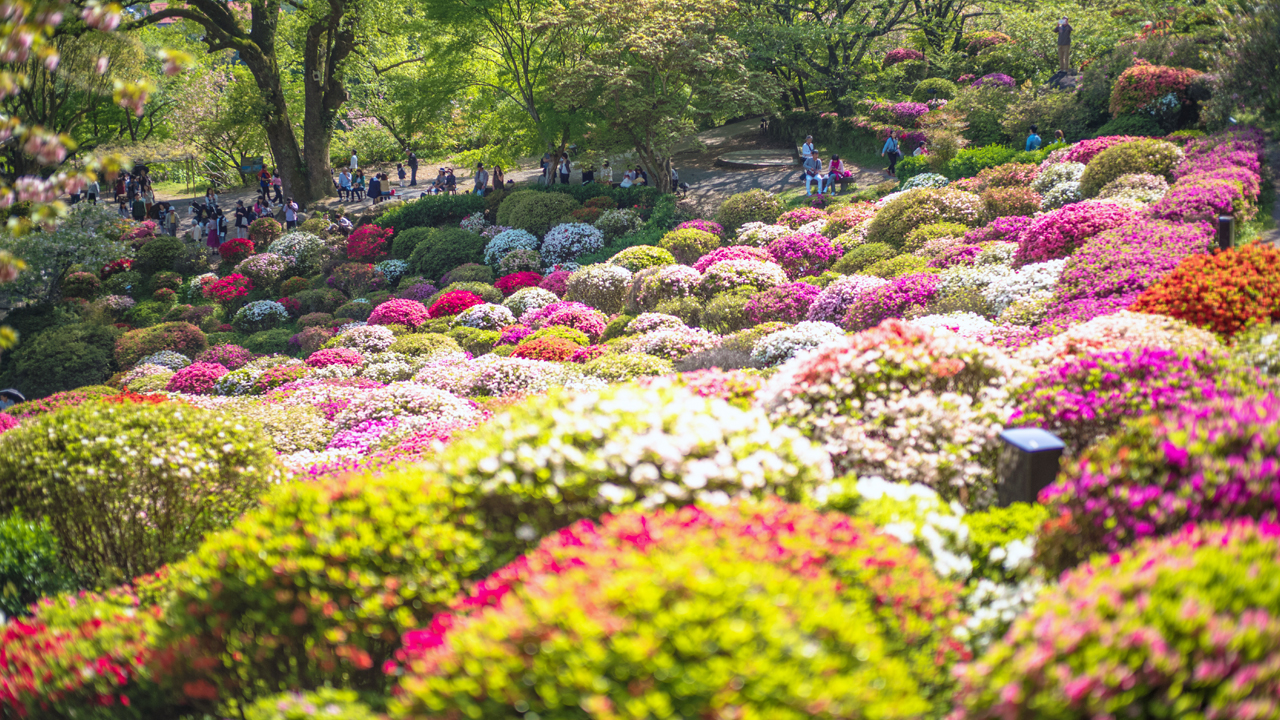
{"points": [[789, 342], [485, 317]]}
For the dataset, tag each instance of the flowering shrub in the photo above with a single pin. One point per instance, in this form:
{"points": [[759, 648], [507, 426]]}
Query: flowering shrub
{"points": [[260, 315], [569, 314], [1027, 281], [1060, 196], [196, 379], [786, 303], [1059, 233], [907, 113], [1183, 621], [508, 284], [567, 241], [264, 231], [555, 281], [686, 246], [453, 302], [485, 317], [519, 260], [832, 304], [1060, 173], [507, 242], [335, 356], [760, 234], [228, 289], [116, 266], [80, 285], [925, 206], [1258, 348], [803, 254], [1086, 150], [1143, 86], [730, 274], [356, 278], [368, 339], [167, 359], [697, 559], [526, 299], [277, 375], [654, 285], [958, 256], [1087, 398], [789, 342], [1119, 331], [602, 286], [1157, 157], [732, 252], [798, 218], [616, 222], [650, 321], [179, 337], [1008, 175], [897, 55], [999, 80], [1011, 202], [704, 225], [1197, 199], [392, 270], [907, 403], [1224, 292], [232, 357], [474, 222], [303, 249], [845, 218], [675, 343], [641, 257], [1130, 258], [550, 349], [1142, 187], [623, 367], [235, 250], [924, 180], [891, 300], [409, 313]]}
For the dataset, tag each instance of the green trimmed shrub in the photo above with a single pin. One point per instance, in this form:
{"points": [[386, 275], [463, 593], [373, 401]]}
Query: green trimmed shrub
{"points": [[536, 212], [573, 335], [315, 320], [30, 566], [688, 309], [323, 704], [80, 285], [726, 313], [689, 244], [270, 342], [624, 367], [911, 166], [470, 272], [444, 250], [63, 358], [602, 286], [159, 254], [897, 266], [147, 313], [1154, 157], [861, 257], [1131, 125], [402, 246], [431, 211], [354, 311], [918, 238], [429, 343], [179, 337], [941, 88], [475, 341], [317, 585], [750, 206], [970, 161], [324, 300], [617, 327], [141, 495], [641, 257], [925, 206], [128, 283]]}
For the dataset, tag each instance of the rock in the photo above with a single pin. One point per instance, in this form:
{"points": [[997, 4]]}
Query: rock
{"points": [[1065, 81]]}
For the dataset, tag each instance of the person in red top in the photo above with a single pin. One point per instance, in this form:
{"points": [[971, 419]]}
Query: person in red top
{"points": [[264, 182]]}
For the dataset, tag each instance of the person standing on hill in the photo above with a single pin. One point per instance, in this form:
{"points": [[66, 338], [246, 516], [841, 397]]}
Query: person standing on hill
{"points": [[1033, 140], [891, 151], [413, 168], [482, 178], [290, 214], [355, 162], [1064, 44]]}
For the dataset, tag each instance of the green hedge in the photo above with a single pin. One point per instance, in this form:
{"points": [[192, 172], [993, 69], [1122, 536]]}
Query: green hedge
{"points": [[432, 210], [625, 197]]}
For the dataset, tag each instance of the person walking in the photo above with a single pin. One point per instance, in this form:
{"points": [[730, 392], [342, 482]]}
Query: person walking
{"points": [[891, 151], [171, 219], [565, 169], [1064, 44], [290, 214], [355, 162], [1033, 140], [400, 173], [242, 220], [413, 168], [277, 187], [91, 192]]}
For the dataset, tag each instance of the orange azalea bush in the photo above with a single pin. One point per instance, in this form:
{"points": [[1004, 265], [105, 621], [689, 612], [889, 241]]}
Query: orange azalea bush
{"points": [[1224, 292]]}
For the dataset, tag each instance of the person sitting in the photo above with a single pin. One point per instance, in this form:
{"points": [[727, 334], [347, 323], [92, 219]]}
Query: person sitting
{"points": [[642, 177], [813, 173], [628, 179], [437, 185], [344, 185], [375, 189], [923, 149], [836, 173], [450, 182]]}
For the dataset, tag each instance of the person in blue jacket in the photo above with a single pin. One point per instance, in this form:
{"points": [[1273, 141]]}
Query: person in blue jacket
{"points": [[1033, 140], [891, 151]]}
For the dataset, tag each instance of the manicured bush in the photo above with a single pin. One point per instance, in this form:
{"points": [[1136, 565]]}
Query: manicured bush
{"points": [[551, 349], [159, 254], [891, 300], [444, 250], [527, 299], [897, 266], [258, 316], [881, 402], [1175, 623], [1058, 234], [567, 241], [64, 358], [369, 243], [914, 208], [641, 257], [1224, 292], [624, 367], [536, 212], [934, 88], [487, 292], [782, 345], [399, 312], [144, 493], [196, 379], [1156, 157], [1010, 201], [317, 585], [179, 337], [1144, 87], [863, 256], [405, 241], [431, 211], [923, 235], [727, 569], [265, 231], [270, 342], [520, 260], [355, 310], [320, 301], [425, 344], [1130, 258], [750, 206], [971, 161], [474, 340], [30, 566], [469, 272], [569, 314], [454, 302], [1203, 199], [727, 311], [731, 274], [802, 254], [602, 286], [80, 285]]}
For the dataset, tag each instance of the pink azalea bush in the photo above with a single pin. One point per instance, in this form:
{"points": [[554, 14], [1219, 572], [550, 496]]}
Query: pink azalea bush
{"points": [[710, 226], [556, 281], [730, 274], [804, 254], [895, 56], [731, 252], [891, 300], [832, 304], [569, 314], [399, 311], [1057, 234], [1085, 150], [1002, 229], [231, 357], [196, 379], [798, 218], [1130, 258], [786, 303], [335, 356], [1198, 199]]}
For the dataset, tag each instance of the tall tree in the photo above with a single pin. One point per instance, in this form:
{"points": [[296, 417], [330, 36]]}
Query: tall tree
{"points": [[653, 69], [330, 32]]}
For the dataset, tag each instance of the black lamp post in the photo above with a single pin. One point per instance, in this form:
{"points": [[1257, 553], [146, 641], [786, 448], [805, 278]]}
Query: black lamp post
{"points": [[1226, 231], [1028, 464]]}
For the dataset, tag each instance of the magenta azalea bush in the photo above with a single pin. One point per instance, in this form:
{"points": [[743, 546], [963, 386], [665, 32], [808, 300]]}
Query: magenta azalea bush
{"points": [[710, 226], [893, 57], [804, 254], [196, 379], [399, 311], [1057, 234], [569, 314], [1086, 150], [1002, 229], [995, 80], [786, 303], [335, 356], [732, 252], [1197, 198], [1130, 258], [231, 357], [832, 304], [907, 113], [891, 300]]}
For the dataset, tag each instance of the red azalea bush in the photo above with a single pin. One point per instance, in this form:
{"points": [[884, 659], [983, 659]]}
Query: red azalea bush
{"points": [[196, 379], [508, 284], [228, 289], [893, 57], [453, 302], [116, 266], [556, 281], [335, 356], [553, 349], [57, 401], [804, 254], [1059, 233], [369, 243], [1224, 292], [231, 357], [732, 252], [1142, 84], [786, 303], [235, 250], [265, 231], [292, 305], [847, 217], [410, 313]]}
